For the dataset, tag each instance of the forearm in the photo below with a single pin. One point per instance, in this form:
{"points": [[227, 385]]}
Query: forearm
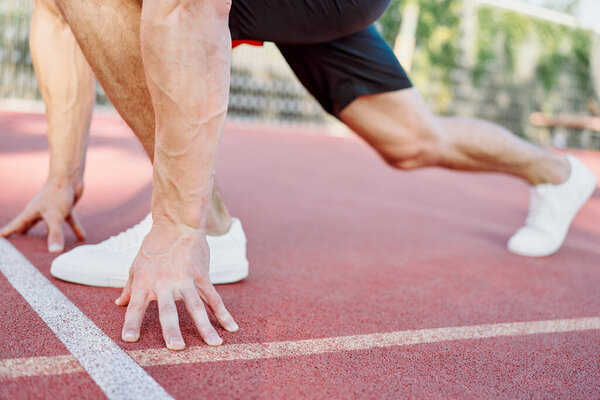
{"points": [[186, 48], [67, 85]]}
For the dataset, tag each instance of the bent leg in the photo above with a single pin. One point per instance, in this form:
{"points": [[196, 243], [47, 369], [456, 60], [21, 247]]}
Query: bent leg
{"points": [[115, 56], [400, 126]]}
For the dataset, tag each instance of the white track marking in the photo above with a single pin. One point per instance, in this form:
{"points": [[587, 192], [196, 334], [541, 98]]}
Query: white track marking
{"points": [[13, 368], [255, 351], [203, 354], [117, 375]]}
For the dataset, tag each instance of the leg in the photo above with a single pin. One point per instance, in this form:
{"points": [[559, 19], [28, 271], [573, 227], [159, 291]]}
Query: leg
{"points": [[401, 128], [407, 135], [219, 220], [116, 59]]}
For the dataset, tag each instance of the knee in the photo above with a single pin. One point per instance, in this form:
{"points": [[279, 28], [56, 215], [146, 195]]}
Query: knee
{"points": [[417, 148]]}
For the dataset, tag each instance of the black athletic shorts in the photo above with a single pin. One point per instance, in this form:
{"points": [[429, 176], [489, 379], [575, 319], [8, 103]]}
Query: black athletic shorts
{"points": [[331, 45]]}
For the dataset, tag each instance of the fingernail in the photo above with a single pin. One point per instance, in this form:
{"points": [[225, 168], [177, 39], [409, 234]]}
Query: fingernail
{"points": [[233, 326], [214, 339], [129, 336], [175, 343], [55, 248], [117, 301]]}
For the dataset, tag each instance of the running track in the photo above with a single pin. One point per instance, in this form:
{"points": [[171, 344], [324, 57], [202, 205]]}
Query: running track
{"points": [[365, 282]]}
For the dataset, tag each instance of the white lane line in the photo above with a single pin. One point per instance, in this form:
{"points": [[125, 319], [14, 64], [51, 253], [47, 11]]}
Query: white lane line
{"points": [[12, 368], [117, 375], [203, 354]]}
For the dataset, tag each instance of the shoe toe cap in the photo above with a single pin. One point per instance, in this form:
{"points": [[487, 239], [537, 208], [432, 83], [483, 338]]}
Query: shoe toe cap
{"points": [[531, 243], [72, 256]]}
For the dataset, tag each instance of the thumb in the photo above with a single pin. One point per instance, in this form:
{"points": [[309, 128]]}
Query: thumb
{"points": [[56, 238]]}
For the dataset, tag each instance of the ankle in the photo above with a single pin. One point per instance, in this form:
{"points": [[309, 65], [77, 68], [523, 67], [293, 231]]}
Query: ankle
{"points": [[217, 226], [555, 171]]}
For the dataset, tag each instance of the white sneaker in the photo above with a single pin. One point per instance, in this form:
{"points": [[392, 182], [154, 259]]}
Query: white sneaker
{"points": [[107, 263], [551, 211]]}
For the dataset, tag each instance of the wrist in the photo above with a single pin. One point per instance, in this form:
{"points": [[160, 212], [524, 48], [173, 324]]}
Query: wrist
{"points": [[165, 222], [66, 167], [180, 211], [64, 181], [163, 236]]}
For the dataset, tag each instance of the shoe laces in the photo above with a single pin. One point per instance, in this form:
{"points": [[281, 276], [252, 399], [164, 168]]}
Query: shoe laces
{"points": [[130, 237]]}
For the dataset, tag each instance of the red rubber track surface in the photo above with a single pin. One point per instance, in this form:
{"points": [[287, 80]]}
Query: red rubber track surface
{"points": [[339, 244]]}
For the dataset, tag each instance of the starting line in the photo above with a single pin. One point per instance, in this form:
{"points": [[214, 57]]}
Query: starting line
{"points": [[59, 365], [119, 373]]}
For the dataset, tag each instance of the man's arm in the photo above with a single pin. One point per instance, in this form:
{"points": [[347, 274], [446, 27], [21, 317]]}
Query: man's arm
{"points": [[186, 49], [68, 88]]}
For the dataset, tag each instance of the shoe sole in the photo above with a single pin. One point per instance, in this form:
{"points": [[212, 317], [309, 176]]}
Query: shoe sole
{"points": [[585, 193], [229, 274], [74, 275]]}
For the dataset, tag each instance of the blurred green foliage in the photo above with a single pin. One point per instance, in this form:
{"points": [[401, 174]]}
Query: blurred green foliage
{"points": [[437, 33], [562, 49], [438, 37]]}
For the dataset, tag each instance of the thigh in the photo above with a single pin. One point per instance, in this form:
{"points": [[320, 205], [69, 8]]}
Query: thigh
{"points": [[339, 71], [301, 21]]}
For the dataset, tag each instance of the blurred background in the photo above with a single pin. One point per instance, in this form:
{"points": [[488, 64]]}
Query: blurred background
{"points": [[532, 66]]}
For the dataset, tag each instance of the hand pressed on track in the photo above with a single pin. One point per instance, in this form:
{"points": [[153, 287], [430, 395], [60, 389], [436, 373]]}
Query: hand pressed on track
{"points": [[53, 204], [172, 265]]}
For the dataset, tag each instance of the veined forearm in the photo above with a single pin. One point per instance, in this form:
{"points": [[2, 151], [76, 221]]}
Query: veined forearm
{"points": [[67, 85], [187, 51]]}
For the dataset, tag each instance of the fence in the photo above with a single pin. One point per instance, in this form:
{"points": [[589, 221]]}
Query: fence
{"points": [[262, 85]]}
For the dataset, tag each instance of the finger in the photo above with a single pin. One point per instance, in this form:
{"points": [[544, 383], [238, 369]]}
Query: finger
{"points": [[21, 223], [214, 301], [76, 226], [56, 238], [135, 314], [169, 321], [196, 309], [123, 299]]}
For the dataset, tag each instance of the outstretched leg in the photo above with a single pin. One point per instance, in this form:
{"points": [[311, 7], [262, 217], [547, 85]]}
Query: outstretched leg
{"points": [[400, 126]]}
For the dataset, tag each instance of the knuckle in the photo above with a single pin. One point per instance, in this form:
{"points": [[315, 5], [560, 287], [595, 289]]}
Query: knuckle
{"points": [[196, 305], [223, 315], [135, 307], [215, 298]]}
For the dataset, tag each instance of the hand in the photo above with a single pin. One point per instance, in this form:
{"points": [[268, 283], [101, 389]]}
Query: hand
{"points": [[172, 265], [54, 204]]}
